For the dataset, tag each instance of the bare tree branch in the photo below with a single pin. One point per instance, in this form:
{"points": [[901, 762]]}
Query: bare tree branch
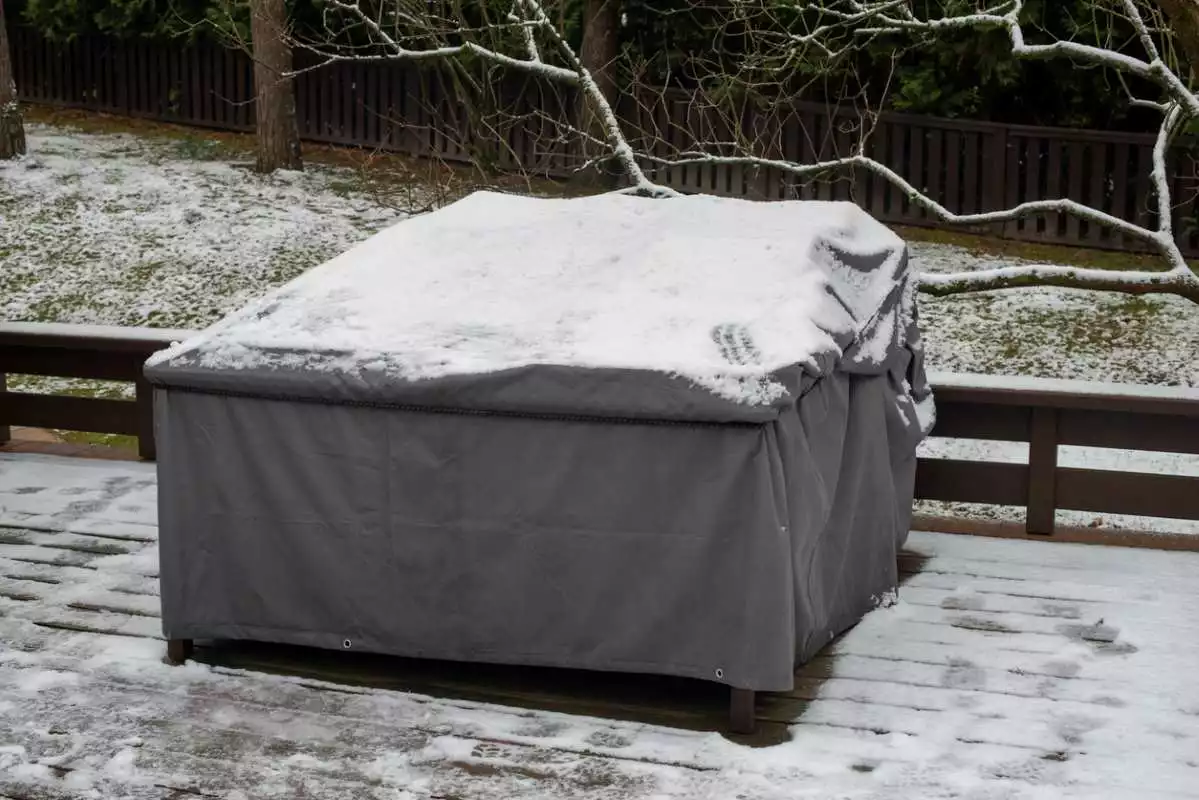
{"points": [[735, 121], [528, 19], [1182, 106]]}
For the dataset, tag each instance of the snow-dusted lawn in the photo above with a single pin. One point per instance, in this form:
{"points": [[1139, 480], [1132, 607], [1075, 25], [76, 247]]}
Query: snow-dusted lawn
{"points": [[1056, 333], [119, 229], [1007, 671]]}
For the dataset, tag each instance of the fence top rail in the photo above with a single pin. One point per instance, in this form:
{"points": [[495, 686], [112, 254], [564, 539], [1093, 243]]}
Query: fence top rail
{"points": [[106, 338], [1066, 394]]}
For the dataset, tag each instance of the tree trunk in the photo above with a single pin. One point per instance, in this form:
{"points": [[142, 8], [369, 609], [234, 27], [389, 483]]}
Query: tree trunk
{"points": [[601, 43], [12, 131], [275, 105]]}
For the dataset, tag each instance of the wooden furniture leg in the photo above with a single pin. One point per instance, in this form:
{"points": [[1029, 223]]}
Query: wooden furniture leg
{"points": [[179, 651], [742, 718]]}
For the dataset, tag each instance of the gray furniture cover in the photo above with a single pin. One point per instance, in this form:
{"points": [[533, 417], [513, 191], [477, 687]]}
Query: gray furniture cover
{"points": [[491, 488]]}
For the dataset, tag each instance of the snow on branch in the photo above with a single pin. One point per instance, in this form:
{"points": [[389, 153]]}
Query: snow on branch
{"points": [[714, 132], [1177, 104], [885, 17], [455, 39], [1127, 281]]}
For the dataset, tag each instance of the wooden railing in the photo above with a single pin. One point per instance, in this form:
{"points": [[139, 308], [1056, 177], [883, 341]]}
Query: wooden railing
{"points": [[80, 351], [1051, 413], [1044, 413]]}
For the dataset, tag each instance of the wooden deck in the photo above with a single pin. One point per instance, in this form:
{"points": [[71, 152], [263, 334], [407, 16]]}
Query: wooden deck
{"points": [[1007, 669]]}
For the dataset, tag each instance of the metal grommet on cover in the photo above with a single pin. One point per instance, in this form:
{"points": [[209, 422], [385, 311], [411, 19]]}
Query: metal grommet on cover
{"points": [[347, 644], [719, 674]]}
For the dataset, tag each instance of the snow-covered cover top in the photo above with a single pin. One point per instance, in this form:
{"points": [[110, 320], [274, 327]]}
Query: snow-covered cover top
{"points": [[720, 291]]}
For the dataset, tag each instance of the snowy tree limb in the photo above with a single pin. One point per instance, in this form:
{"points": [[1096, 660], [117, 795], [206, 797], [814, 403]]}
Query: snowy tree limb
{"points": [[877, 17], [1138, 282], [885, 19], [935, 209], [528, 18], [525, 39]]}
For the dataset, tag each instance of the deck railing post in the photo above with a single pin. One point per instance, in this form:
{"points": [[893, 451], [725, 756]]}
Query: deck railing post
{"points": [[145, 419], [5, 431], [1042, 471]]}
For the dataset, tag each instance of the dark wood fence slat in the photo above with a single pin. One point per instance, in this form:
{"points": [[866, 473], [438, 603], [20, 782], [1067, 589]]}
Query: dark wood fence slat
{"points": [[1098, 195], [1117, 492], [196, 83], [1120, 189], [93, 364], [1145, 208], [1042, 471], [899, 201], [345, 109], [1053, 188], [1076, 164], [69, 413], [969, 420], [1007, 190], [917, 142], [69, 73], [358, 91], [971, 482], [144, 68], [935, 185], [1033, 173], [878, 185], [1124, 430], [974, 168], [846, 180], [953, 171]]}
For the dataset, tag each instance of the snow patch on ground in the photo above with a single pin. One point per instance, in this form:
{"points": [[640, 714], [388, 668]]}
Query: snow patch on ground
{"points": [[121, 230], [1055, 333]]}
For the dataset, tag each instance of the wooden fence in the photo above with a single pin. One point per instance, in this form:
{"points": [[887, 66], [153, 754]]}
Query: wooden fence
{"points": [[965, 166], [1046, 414]]}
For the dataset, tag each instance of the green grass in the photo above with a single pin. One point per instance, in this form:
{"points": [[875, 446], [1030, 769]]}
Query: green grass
{"points": [[114, 440]]}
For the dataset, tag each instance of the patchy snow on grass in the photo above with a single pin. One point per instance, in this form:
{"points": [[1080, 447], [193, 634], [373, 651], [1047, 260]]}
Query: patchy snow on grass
{"points": [[1055, 333], [120, 230]]}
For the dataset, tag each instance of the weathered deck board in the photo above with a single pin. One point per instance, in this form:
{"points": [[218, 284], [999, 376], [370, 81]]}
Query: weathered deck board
{"points": [[1008, 669]]}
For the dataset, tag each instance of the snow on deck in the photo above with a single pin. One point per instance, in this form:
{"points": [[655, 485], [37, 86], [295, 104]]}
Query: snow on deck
{"points": [[1009, 669]]}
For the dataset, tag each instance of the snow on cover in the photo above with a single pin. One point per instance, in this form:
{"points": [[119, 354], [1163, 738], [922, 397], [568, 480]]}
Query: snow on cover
{"points": [[499, 281]]}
